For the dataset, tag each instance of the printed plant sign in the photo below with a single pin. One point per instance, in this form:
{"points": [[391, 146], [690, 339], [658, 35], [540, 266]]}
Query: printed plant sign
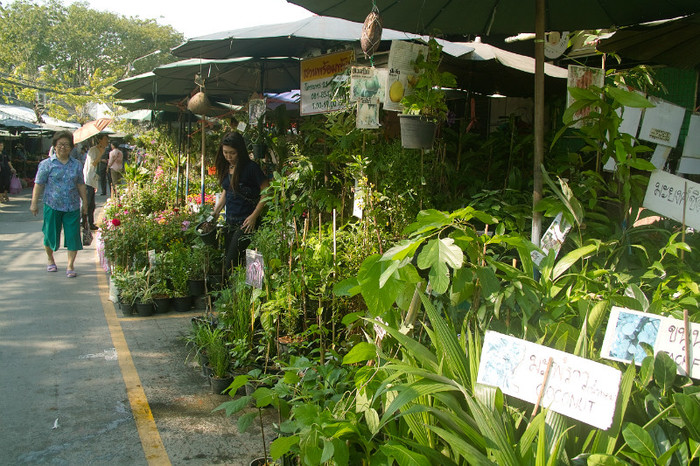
{"points": [[367, 83], [254, 268], [401, 77], [553, 238], [358, 203], [256, 111], [662, 123], [583, 77], [628, 331], [575, 387]]}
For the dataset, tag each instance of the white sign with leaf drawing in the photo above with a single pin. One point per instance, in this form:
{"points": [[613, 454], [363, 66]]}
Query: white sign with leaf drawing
{"points": [[574, 386]]}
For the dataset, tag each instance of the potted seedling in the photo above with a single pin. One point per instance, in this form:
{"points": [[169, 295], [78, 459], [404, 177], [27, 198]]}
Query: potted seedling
{"points": [[425, 108], [220, 362], [259, 399]]}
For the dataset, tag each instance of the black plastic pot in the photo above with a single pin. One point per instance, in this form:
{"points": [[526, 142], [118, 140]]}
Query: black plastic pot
{"points": [[162, 305], [417, 132], [144, 309], [182, 304]]}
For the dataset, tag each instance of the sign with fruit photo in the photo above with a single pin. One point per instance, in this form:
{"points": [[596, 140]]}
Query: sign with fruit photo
{"points": [[402, 75]]}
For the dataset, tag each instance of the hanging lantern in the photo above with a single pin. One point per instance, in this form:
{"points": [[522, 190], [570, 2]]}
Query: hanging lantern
{"points": [[371, 33], [199, 104]]}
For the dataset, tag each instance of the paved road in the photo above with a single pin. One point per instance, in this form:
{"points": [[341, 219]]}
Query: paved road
{"points": [[80, 384]]}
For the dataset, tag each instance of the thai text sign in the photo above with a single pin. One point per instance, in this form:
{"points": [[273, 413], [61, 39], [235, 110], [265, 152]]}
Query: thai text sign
{"points": [[669, 194], [575, 387], [628, 329], [316, 76]]}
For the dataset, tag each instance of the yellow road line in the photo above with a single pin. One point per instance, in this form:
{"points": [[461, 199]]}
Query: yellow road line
{"points": [[151, 442]]}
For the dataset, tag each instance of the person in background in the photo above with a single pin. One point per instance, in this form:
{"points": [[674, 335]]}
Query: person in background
{"points": [[242, 181], [115, 164], [90, 175], [6, 172], [102, 171], [59, 182]]}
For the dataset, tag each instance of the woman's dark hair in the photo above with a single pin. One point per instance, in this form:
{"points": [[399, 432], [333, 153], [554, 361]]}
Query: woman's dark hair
{"points": [[236, 141], [62, 135]]}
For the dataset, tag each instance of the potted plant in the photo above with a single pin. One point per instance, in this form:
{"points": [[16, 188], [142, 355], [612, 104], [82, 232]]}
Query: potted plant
{"points": [[143, 291], [127, 294], [178, 256], [196, 270], [425, 107], [220, 361]]}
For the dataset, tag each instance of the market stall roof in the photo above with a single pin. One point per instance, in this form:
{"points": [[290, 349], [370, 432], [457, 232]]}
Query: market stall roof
{"points": [[231, 80], [293, 39], [674, 43], [26, 114], [453, 19]]}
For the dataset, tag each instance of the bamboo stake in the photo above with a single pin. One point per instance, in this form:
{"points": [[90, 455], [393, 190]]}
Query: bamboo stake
{"points": [[544, 387]]}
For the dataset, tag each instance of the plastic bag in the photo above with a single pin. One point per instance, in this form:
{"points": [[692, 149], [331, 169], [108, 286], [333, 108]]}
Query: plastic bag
{"points": [[15, 185], [87, 233]]}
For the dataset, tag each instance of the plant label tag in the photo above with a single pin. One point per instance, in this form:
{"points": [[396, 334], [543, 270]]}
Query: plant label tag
{"points": [[668, 195], [628, 329], [151, 258], [254, 268], [575, 386], [358, 203]]}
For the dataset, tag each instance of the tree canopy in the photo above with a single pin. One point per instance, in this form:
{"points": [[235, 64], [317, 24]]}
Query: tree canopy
{"points": [[74, 54]]}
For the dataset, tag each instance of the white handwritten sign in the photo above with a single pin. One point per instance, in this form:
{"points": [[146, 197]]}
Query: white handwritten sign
{"points": [[662, 124], [667, 195], [576, 387], [628, 329]]}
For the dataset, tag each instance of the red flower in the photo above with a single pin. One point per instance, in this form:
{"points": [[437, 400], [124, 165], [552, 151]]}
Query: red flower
{"points": [[176, 210], [116, 222]]}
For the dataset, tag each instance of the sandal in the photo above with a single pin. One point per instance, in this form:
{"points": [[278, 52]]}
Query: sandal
{"points": [[71, 273], [51, 268]]}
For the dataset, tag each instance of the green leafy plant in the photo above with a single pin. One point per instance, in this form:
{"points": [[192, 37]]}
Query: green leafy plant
{"points": [[428, 96]]}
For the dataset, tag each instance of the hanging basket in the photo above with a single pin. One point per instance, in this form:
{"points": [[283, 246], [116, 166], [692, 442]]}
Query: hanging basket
{"points": [[199, 104], [417, 132], [371, 34]]}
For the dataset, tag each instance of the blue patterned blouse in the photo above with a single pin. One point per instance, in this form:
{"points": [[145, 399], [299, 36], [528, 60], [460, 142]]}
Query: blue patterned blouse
{"points": [[61, 183]]}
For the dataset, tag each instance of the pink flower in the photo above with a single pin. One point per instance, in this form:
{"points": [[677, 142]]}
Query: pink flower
{"points": [[185, 225], [116, 222]]}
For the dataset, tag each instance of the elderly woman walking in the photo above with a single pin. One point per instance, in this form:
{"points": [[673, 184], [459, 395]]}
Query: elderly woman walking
{"points": [[59, 180]]}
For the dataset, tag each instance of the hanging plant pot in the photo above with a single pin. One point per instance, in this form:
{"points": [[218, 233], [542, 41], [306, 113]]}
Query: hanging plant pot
{"points": [[417, 132], [144, 309], [196, 287]]}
